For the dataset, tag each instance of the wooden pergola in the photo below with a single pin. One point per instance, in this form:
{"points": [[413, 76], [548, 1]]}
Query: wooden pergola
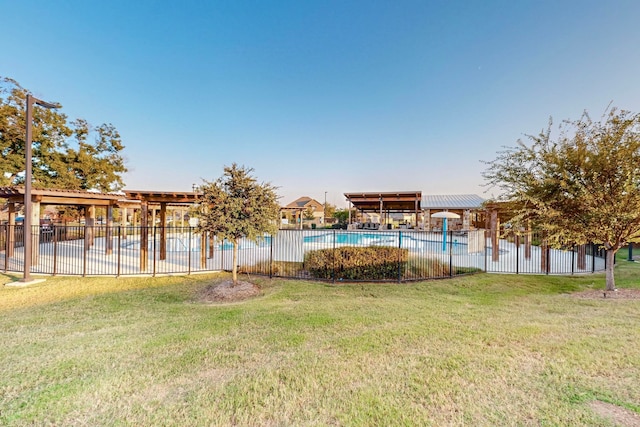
{"points": [[127, 199], [386, 203]]}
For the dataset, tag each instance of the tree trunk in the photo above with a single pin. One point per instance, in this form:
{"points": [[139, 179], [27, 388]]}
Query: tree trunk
{"points": [[234, 268], [611, 283]]}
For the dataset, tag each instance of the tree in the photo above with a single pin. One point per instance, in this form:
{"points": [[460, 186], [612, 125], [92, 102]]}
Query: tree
{"points": [[237, 206], [342, 215], [309, 214], [583, 186], [66, 154], [329, 210]]}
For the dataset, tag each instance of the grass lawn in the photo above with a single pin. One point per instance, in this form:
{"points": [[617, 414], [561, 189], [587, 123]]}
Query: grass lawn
{"points": [[477, 350]]}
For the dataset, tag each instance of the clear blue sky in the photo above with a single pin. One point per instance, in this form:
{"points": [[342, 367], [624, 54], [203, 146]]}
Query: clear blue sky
{"points": [[336, 96]]}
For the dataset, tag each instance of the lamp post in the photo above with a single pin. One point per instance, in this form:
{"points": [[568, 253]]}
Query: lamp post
{"points": [[324, 209], [26, 224]]}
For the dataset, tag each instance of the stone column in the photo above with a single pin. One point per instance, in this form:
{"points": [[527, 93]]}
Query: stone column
{"points": [[466, 219]]}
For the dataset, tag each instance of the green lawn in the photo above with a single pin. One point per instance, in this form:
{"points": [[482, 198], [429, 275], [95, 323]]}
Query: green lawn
{"points": [[476, 350]]}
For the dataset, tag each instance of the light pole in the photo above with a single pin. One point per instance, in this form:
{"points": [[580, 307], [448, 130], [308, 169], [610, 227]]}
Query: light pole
{"points": [[324, 209], [26, 224]]}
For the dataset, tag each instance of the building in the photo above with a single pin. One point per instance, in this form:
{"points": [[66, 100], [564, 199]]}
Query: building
{"points": [[305, 210]]}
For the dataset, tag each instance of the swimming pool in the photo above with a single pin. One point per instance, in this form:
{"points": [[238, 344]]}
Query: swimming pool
{"points": [[418, 242]]}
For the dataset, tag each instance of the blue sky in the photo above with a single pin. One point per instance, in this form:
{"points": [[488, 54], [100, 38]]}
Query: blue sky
{"points": [[335, 96]]}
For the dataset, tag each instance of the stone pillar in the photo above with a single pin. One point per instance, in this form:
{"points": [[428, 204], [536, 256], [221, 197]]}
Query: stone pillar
{"points": [[466, 219]]}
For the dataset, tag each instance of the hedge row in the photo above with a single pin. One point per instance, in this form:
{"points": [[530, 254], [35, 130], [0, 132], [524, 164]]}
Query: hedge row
{"points": [[357, 263]]}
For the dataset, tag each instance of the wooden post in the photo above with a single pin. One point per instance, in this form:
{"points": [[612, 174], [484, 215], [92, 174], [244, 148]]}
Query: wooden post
{"points": [[211, 245], [544, 259], [123, 222], [203, 250], [11, 232], [144, 234], [109, 231], [163, 231], [527, 243], [582, 257], [495, 234], [35, 235], [89, 222]]}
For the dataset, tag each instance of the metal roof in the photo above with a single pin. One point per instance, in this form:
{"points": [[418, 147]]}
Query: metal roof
{"points": [[452, 201]]}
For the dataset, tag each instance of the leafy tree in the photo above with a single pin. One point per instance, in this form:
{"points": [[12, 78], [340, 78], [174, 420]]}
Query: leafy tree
{"points": [[583, 186], [308, 214], [342, 215], [66, 154], [237, 206], [329, 210]]}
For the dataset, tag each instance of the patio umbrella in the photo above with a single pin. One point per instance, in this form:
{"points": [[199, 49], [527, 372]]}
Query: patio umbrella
{"points": [[445, 215]]}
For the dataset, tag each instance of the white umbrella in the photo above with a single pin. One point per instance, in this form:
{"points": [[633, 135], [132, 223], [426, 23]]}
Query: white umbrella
{"points": [[445, 215]]}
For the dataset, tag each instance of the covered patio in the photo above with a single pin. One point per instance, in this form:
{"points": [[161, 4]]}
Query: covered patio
{"points": [[384, 204], [147, 204]]}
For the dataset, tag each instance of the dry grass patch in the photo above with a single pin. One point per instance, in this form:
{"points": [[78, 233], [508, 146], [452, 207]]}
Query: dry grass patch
{"points": [[226, 291], [620, 416]]}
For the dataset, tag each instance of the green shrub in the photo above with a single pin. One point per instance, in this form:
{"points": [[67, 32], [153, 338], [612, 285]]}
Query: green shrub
{"points": [[357, 263]]}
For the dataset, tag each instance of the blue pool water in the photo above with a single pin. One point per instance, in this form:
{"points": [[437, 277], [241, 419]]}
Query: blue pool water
{"points": [[413, 242]]}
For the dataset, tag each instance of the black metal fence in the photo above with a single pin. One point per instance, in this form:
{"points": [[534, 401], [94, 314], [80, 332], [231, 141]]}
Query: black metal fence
{"points": [[120, 250]]}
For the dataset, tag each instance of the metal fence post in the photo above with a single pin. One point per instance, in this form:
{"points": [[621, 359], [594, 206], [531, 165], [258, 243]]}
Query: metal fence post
{"points": [[55, 250], [333, 254], [399, 256], [271, 257], [189, 251], [154, 250], [450, 252], [119, 251], [6, 246], [517, 241], [84, 253]]}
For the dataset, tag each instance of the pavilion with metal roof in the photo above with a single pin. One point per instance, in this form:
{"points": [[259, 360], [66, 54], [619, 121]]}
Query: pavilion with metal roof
{"points": [[468, 206]]}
